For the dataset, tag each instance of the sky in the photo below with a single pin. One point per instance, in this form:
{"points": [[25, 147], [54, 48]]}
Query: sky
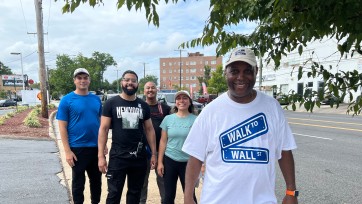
{"points": [[125, 35]]}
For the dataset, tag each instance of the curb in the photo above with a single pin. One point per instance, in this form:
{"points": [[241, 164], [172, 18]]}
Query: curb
{"points": [[19, 137], [341, 110], [61, 174], [51, 126]]}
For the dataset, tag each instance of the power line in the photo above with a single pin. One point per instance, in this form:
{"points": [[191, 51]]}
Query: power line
{"points": [[50, 5], [22, 10], [19, 59]]}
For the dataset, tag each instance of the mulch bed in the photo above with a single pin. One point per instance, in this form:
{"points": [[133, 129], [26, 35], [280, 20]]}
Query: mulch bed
{"points": [[14, 126]]}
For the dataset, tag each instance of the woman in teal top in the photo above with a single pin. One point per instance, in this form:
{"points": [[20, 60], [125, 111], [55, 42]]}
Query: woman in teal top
{"points": [[172, 160]]}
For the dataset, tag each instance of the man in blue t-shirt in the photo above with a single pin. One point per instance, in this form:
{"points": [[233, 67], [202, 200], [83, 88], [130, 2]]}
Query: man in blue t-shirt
{"points": [[79, 119]]}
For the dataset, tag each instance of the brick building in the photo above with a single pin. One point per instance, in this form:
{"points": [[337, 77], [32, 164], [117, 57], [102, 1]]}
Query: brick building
{"points": [[192, 67]]}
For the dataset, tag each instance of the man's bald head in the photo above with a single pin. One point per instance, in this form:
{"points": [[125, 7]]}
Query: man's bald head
{"points": [[149, 83], [150, 91]]}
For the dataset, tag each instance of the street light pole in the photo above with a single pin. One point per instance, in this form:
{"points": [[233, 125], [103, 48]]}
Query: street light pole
{"points": [[144, 69], [22, 70]]}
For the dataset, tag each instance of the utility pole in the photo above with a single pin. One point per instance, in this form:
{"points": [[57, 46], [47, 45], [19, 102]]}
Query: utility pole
{"points": [[144, 69], [42, 71], [180, 65]]}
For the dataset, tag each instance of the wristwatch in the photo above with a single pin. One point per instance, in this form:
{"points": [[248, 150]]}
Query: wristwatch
{"points": [[292, 193]]}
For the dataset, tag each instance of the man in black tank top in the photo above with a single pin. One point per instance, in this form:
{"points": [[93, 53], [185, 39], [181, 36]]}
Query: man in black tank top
{"points": [[158, 112]]}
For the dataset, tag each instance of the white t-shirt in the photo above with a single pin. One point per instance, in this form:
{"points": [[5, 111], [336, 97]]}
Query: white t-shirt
{"points": [[240, 144]]}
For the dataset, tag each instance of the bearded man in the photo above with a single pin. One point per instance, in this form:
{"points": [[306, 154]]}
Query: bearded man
{"points": [[130, 119]]}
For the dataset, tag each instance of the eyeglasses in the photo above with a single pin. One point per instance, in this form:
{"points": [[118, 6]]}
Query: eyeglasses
{"points": [[80, 78], [130, 80]]}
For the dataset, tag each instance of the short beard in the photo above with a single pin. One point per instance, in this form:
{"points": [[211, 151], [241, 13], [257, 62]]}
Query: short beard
{"points": [[130, 92]]}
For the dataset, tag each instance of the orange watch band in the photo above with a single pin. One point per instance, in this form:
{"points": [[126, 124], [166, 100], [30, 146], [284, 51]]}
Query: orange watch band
{"points": [[292, 193]]}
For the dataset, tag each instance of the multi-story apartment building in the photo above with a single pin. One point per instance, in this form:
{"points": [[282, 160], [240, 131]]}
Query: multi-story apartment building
{"points": [[185, 70], [285, 79]]}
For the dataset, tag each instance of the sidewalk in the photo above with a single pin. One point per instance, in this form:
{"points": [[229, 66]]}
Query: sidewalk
{"points": [[342, 109], [66, 176]]}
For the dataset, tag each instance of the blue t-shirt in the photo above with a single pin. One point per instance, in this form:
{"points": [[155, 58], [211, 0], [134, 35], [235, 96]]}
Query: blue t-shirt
{"points": [[177, 129], [83, 116]]}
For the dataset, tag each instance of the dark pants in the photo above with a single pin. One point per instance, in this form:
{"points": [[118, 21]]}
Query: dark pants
{"points": [[87, 162], [160, 185], [118, 170], [173, 170]]}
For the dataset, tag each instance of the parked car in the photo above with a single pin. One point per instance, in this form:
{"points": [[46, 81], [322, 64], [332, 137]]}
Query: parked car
{"points": [[98, 93], [169, 99], [108, 96], [204, 99], [7, 102], [282, 99], [331, 99], [141, 96]]}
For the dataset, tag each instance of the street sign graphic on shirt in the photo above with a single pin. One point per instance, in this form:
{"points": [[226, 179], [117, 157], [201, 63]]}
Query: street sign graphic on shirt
{"points": [[232, 139], [244, 131], [246, 155]]}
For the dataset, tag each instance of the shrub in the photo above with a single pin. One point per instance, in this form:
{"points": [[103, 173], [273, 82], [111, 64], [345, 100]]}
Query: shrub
{"points": [[21, 109], [32, 122], [2, 120], [2, 94], [31, 119], [55, 95], [10, 114]]}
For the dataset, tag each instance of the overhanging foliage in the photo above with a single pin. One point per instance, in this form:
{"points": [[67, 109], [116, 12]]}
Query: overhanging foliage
{"points": [[283, 26]]}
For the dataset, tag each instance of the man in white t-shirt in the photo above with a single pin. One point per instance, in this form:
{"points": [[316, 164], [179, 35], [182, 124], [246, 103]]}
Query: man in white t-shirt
{"points": [[240, 136]]}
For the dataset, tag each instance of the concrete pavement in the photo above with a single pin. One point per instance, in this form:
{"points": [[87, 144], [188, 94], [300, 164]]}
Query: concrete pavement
{"points": [[29, 171], [342, 109]]}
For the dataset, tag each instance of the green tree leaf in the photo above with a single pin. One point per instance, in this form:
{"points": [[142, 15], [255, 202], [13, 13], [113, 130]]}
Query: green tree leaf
{"points": [[217, 81]]}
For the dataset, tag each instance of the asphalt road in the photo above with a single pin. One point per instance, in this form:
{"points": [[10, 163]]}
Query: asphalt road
{"points": [[29, 172], [328, 159], [5, 111]]}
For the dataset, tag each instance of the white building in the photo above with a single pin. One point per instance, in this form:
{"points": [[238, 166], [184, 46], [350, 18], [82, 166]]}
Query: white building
{"points": [[285, 79]]}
